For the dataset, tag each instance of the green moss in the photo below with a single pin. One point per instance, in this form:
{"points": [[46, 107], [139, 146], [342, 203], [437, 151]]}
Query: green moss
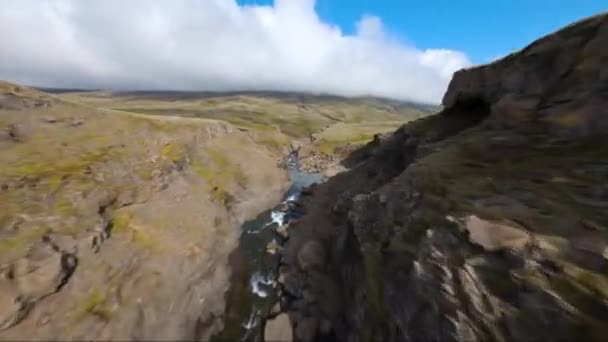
{"points": [[58, 167], [219, 173], [144, 173], [102, 139], [121, 221], [94, 304], [273, 141], [173, 152], [20, 240], [215, 182], [329, 145], [143, 240], [376, 300], [64, 207], [54, 181], [217, 158], [588, 303], [596, 283]]}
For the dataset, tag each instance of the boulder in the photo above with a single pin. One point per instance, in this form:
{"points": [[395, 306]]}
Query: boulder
{"points": [[306, 329], [13, 306], [272, 247], [278, 329], [493, 236], [282, 231], [43, 271], [311, 255]]}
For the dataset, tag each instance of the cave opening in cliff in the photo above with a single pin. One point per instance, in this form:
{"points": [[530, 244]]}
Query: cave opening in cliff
{"points": [[464, 114]]}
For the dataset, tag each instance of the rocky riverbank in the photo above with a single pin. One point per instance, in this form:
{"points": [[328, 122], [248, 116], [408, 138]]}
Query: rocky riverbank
{"points": [[487, 221], [255, 298]]}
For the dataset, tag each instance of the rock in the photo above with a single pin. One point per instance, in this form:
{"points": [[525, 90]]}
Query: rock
{"points": [[550, 69], [13, 306], [283, 231], [309, 190], [43, 271], [311, 255], [295, 147], [272, 247], [493, 236], [306, 329], [282, 274], [275, 310], [278, 329], [76, 122], [325, 327], [308, 296], [15, 133]]}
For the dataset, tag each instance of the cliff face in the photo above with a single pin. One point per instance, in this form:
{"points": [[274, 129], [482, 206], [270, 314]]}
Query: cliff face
{"points": [[488, 221]]}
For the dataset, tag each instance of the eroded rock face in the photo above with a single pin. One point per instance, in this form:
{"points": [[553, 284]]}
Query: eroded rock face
{"points": [[311, 255], [559, 79], [485, 222], [278, 329], [42, 272]]}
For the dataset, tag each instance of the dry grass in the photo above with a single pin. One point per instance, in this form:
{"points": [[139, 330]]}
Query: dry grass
{"points": [[294, 115]]}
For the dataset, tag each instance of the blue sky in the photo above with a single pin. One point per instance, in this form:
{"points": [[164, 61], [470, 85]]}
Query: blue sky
{"points": [[483, 29]]}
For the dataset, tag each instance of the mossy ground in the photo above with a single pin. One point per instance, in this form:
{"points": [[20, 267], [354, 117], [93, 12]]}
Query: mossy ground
{"points": [[292, 116]]}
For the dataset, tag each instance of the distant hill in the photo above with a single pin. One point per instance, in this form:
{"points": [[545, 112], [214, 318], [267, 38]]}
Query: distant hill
{"points": [[296, 96]]}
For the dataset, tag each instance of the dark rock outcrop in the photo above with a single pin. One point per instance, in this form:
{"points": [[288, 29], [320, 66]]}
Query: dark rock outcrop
{"points": [[487, 221]]}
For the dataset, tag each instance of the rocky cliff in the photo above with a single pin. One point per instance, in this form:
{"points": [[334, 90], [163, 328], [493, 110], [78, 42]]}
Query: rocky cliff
{"points": [[487, 221]]}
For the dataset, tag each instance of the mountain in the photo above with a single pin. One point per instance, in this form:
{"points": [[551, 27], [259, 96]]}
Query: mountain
{"points": [[487, 221]]}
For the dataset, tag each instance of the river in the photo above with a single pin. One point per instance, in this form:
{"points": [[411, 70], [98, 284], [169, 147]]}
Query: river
{"points": [[254, 290]]}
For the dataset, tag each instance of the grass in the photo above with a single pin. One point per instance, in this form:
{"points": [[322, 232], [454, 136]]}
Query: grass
{"points": [[294, 115], [21, 239], [123, 223], [173, 152], [64, 207], [55, 167], [94, 304], [274, 141], [145, 173], [219, 173], [354, 134]]}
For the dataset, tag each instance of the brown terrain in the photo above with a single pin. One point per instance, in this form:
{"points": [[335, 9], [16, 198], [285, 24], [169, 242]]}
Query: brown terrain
{"points": [[119, 210], [118, 225], [487, 221]]}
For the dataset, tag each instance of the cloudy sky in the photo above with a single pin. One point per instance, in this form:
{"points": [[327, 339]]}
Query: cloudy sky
{"points": [[213, 45]]}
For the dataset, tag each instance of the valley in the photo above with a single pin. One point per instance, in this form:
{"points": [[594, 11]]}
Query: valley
{"points": [[121, 209]]}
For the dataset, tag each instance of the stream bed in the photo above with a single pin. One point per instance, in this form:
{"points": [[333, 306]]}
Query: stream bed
{"points": [[253, 288]]}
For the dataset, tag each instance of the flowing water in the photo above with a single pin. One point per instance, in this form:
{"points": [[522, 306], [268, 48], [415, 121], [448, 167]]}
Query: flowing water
{"points": [[253, 289]]}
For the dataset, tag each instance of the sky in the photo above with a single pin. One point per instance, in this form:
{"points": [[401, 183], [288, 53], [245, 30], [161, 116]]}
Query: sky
{"points": [[390, 48]]}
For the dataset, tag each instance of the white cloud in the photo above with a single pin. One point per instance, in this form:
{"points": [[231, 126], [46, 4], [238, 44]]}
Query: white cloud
{"points": [[212, 45]]}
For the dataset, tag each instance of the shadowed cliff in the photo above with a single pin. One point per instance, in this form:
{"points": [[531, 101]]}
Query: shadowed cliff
{"points": [[487, 221]]}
